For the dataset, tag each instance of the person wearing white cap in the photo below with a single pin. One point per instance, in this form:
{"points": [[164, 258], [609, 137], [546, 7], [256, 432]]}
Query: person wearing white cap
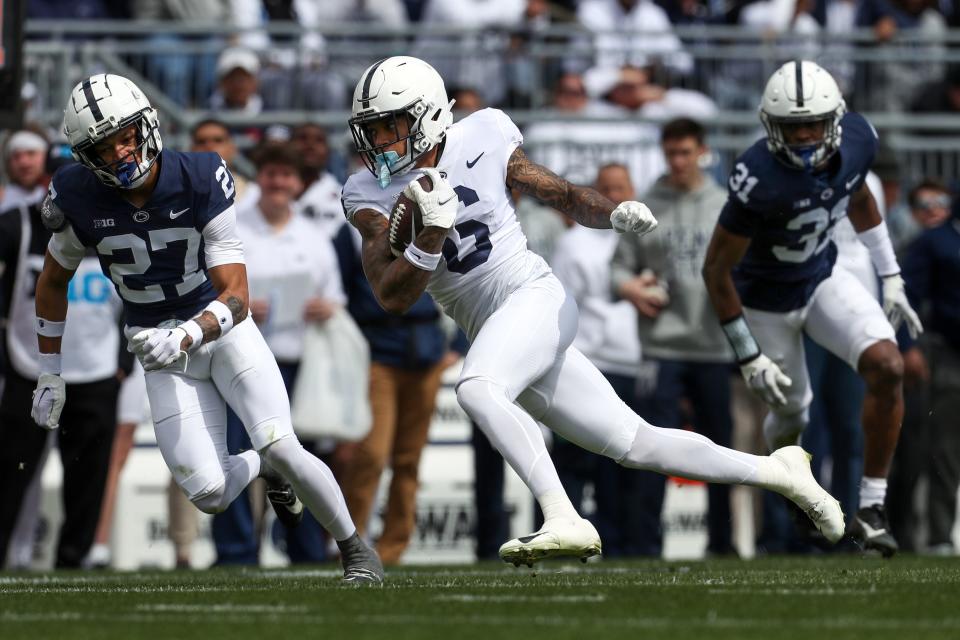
{"points": [[24, 156], [238, 73]]}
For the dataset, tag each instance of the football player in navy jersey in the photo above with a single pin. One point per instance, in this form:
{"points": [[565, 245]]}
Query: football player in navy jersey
{"points": [[771, 275], [163, 226]]}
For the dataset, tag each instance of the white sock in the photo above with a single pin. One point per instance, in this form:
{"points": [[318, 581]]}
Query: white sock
{"points": [[239, 471], [873, 491], [556, 504]]}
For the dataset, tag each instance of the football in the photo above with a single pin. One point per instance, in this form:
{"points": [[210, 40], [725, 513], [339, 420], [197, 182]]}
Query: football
{"points": [[406, 220]]}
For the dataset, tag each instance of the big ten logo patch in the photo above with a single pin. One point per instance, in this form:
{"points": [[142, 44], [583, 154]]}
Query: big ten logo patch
{"points": [[91, 287]]}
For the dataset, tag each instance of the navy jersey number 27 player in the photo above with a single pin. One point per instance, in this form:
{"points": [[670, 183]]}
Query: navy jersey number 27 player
{"points": [[154, 254]]}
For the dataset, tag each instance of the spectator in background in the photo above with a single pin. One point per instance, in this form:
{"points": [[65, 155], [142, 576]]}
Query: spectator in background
{"points": [[320, 199], [468, 100], [474, 58], [570, 147], [929, 442], [211, 134], [928, 207], [408, 355], [607, 336], [942, 96], [238, 83], [25, 159], [616, 23], [296, 74], [685, 352], [891, 84], [91, 347], [186, 77]]}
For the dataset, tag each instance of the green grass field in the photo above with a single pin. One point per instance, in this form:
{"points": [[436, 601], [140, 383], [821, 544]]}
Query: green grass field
{"points": [[821, 597]]}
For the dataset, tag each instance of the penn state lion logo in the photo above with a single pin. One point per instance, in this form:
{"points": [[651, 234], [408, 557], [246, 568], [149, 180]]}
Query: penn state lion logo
{"points": [[141, 216]]}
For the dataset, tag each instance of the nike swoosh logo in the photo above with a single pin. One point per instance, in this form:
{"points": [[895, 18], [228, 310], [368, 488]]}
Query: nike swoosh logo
{"points": [[849, 183], [446, 201], [870, 531], [470, 164], [532, 536], [174, 216]]}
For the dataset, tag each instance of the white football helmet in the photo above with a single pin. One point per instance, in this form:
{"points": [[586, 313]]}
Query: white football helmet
{"points": [[400, 87], [798, 92], [100, 106]]}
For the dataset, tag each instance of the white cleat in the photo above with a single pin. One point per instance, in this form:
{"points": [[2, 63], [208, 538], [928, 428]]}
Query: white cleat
{"points": [[821, 507], [556, 538]]}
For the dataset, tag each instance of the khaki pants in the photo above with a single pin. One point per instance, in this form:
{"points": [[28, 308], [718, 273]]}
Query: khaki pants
{"points": [[402, 402]]}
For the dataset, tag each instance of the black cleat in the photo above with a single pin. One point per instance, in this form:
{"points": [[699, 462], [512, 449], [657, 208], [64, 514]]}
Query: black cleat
{"points": [[871, 531], [361, 564], [282, 497]]}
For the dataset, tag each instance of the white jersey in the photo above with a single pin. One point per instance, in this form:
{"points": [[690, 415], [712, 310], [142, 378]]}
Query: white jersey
{"points": [[485, 253]]}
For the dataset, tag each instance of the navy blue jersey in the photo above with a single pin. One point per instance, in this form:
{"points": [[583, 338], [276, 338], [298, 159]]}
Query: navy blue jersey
{"points": [[153, 254], [788, 214]]}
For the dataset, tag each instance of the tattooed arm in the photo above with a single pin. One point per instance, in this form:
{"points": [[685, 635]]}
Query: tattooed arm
{"points": [[583, 204], [231, 281], [396, 283]]}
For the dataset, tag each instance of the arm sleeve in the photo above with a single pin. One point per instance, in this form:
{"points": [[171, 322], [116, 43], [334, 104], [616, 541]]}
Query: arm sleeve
{"points": [[736, 218], [222, 190], [511, 135], [66, 248], [222, 245], [354, 200]]}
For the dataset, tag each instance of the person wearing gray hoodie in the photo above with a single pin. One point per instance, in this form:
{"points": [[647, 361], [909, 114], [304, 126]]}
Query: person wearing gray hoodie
{"points": [[684, 349]]}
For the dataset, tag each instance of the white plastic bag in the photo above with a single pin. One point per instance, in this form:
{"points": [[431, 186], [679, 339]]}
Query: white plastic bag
{"points": [[331, 396]]}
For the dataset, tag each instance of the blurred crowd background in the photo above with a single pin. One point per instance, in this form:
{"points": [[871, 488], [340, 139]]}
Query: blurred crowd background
{"points": [[639, 98]]}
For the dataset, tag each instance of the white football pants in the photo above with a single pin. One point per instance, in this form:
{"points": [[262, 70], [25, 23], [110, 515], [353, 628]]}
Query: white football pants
{"points": [[522, 356], [190, 421], [843, 317]]}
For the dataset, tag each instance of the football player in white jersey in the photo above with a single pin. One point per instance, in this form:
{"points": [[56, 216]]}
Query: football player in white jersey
{"points": [[163, 226], [472, 257]]}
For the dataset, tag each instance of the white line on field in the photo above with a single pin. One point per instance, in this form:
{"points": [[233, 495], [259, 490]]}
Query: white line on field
{"points": [[226, 607], [470, 597]]}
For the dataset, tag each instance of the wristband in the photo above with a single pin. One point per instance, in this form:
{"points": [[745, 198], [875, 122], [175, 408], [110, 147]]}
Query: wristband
{"points": [[421, 259], [51, 363], [49, 328], [877, 241], [745, 346], [195, 332], [223, 315]]}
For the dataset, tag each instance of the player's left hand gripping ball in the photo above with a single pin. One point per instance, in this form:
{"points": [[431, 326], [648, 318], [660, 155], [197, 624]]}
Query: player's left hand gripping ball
{"points": [[438, 207], [48, 400], [632, 217], [158, 348], [897, 307]]}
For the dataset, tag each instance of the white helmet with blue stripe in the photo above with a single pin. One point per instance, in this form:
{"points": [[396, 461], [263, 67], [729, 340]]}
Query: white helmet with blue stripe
{"points": [[801, 92], [100, 106]]}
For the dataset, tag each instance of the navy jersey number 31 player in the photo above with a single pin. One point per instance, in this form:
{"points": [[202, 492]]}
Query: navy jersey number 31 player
{"points": [[771, 272]]}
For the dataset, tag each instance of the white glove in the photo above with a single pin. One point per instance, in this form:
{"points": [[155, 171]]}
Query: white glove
{"points": [[632, 217], [159, 348], [439, 206], [765, 379], [897, 307], [48, 400]]}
